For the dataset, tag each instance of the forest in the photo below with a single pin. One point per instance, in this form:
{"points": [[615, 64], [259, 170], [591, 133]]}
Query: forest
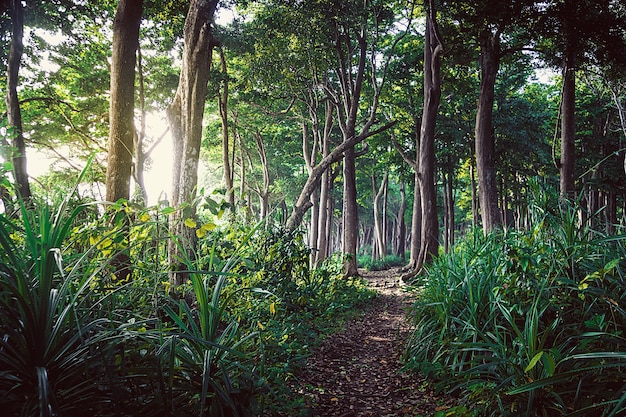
{"points": [[191, 191]]}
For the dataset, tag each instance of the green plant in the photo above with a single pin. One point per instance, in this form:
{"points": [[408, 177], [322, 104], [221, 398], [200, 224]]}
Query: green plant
{"points": [[50, 331], [205, 364], [527, 323], [389, 261]]}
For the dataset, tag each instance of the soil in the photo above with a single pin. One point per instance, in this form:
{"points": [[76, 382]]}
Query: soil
{"points": [[358, 371]]}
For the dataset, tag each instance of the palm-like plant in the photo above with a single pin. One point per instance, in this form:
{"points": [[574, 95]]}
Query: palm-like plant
{"points": [[205, 365], [528, 323], [47, 333]]}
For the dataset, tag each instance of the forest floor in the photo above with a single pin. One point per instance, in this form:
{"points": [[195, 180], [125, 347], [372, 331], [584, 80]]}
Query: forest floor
{"points": [[358, 371]]}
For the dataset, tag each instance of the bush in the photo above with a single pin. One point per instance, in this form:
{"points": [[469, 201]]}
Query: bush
{"points": [[389, 261]]}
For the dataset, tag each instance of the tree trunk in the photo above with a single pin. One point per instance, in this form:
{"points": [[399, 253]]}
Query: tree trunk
{"points": [[139, 137], [325, 215], [14, 113], [350, 213], [310, 156], [432, 94], [121, 113], [485, 140], [185, 115], [304, 199], [401, 224], [448, 208], [474, 197], [223, 108], [379, 232], [568, 126], [265, 192]]}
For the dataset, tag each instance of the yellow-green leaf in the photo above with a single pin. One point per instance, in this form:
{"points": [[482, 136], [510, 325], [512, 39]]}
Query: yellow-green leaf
{"points": [[533, 361]]}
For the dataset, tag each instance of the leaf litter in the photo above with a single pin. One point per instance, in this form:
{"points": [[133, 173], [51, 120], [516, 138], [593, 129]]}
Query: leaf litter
{"points": [[358, 371]]}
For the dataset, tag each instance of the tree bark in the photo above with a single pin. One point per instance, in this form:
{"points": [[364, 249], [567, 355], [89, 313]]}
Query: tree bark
{"points": [[401, 224], [310, 155], [304, 199], [433, 48], [14, 113], [379, 232], [223, 108], [264, 194], [185, 115], [350, 213], [325, 215], [485, 140], [121, 112], [475, 214], [568, 126]]}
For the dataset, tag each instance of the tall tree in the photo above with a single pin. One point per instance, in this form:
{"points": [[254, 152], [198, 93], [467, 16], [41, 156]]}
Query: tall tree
{"points": [[498, 29], [433, 48], [185, 115], [14, 114], [579, 32], [223, 110], [121, 114]]}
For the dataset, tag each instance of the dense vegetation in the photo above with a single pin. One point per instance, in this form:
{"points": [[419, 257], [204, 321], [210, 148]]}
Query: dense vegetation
{"points": [[77, 340], [527, 322]]}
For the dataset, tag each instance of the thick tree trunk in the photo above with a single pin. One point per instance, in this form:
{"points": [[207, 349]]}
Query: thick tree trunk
{"points": [[350, 213], [485, 140], [185, 114], [14, 113], [432, 94], [121, 113], [568, 126]]}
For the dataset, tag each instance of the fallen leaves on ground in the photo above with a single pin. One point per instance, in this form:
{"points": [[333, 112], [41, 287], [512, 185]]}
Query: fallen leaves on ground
{"points": [[357, 372]]}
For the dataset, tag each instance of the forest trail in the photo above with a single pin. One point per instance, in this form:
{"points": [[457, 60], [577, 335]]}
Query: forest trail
{"points": [[356, 372]]}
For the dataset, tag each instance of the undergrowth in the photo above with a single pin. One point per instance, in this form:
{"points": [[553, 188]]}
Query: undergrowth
{"points": [[91, 325], [527, 323]]}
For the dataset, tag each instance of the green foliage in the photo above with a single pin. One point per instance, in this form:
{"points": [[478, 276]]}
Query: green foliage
{"points": [[527, 323], [76, 338], [51, 333], [389, 261]]}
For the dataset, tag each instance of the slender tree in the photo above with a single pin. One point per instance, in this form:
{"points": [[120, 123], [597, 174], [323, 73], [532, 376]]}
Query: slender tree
{"points": [[14, 114]]}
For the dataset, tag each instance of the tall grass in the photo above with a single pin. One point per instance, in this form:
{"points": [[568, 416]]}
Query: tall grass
{"points": [[527, 323]]}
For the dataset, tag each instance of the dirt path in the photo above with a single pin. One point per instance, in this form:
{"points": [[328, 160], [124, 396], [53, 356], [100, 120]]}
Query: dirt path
{"points": [[356, 372]]}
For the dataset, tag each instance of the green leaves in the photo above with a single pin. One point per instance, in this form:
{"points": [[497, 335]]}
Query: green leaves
{"points": [[501, 320]]}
